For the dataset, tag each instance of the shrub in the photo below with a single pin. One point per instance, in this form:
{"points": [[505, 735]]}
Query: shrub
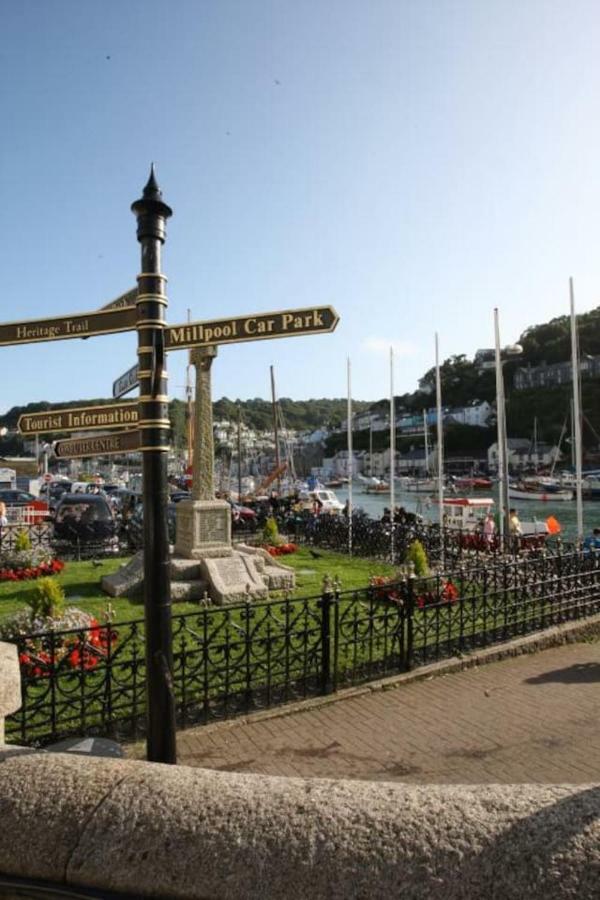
{"points": [[47, 599], [22, 542], [417, 556], [271, 533]]}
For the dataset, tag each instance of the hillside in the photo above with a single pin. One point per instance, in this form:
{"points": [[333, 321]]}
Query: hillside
{"points": [[300, 415], [462, 382]]}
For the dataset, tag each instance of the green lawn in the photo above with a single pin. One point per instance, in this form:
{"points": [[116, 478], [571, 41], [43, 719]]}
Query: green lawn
{"points": [[232, 652], [81, 582]]}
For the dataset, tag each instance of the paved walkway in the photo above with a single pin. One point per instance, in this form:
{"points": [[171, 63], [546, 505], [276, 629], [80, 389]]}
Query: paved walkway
{"points": [[531, 718]]}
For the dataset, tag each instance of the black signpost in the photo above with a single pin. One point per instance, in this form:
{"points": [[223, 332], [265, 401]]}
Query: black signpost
{"points": [[152, 213], [145, 423]]}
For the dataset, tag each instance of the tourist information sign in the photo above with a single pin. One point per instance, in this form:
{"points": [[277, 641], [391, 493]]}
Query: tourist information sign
{"points": [[259, 327], [126, 382], [80, 325], [81, 418], [126, 299], [103, 444]]}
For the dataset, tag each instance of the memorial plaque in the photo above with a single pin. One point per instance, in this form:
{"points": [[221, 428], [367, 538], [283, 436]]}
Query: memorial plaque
{"points": [[62, 328], [212, 527], [259, 327], [79, 448], [81, 418]]}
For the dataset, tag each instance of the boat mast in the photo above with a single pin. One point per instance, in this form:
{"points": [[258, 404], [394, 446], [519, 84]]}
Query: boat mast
{"points": [[239, 449], [576, 413], [560, 440], [392, 451], [370, 448], [440, 446], [275, 429], [501, 437], [189, 393], [426, 433], [350, 455], [572, 435]]}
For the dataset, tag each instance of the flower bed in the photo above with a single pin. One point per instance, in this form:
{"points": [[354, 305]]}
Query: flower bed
{"points": [[280, 549], [82, 650], [27, 572], [385, 590]]}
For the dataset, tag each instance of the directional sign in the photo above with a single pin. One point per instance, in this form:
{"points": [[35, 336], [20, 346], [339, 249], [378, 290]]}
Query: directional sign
{"points": [[122, 442], [82, 418], [126, 382], [80, 325], [259, 327], [126, 299]]}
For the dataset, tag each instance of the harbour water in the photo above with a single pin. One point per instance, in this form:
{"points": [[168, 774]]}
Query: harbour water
{"points": [[564, 511]]}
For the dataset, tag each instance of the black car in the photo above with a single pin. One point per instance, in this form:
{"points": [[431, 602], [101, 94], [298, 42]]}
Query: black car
{"points": [[85, 521], [135, 526], [53, 491]]}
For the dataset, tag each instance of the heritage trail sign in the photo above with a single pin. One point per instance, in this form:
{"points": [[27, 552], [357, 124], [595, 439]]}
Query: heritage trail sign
{"points": [[258, 327], [81, 418], [61, 328], [121, 442]]}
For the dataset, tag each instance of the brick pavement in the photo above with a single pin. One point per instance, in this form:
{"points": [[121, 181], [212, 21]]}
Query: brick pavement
{"points": [[532, 718]]}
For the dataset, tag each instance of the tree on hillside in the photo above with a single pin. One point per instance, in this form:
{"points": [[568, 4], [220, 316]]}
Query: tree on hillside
{"points": [[462, 382]]}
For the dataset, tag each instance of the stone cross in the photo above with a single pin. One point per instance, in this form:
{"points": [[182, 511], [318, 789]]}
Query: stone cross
{"points": [[203, 461], [203, 523]]}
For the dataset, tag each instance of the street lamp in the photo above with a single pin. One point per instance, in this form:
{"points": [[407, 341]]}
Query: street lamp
{"points": [[508, 352]]}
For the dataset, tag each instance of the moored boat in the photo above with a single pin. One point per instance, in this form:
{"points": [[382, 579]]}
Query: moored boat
{"points": [[539, 494]]}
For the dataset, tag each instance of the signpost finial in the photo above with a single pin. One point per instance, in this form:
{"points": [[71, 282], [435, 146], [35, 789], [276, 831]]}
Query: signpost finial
{"points": [[151, 211]]}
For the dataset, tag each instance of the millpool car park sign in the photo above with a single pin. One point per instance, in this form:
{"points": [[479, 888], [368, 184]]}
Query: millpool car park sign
{"points": [[259, 327]]}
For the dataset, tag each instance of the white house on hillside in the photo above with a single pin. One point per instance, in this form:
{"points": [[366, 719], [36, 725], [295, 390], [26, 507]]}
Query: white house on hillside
{"points": [[523, 455]]}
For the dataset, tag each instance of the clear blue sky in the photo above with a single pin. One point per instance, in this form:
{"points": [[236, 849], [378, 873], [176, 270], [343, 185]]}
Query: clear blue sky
{"points": [[413, 164]]}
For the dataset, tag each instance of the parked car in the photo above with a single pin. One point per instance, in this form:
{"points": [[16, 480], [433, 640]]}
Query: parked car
{"points": [[52, 491], [87, 522], [177, 495], [135, 526], [23, 507], [243, 516]]}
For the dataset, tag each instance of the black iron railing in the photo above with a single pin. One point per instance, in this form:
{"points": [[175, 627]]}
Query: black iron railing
{"points": [[235, 659], [381, 540]]}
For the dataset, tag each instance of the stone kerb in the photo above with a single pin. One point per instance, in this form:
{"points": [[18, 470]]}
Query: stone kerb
{"points": [[10, 683], [159, 831]]}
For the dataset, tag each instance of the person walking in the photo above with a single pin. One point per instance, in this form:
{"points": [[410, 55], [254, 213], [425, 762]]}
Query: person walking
{"points": [[489, 530], [515, 530], [591, 545]]}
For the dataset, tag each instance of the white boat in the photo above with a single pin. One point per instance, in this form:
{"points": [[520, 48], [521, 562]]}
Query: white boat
{"points": [[325, 500], [419, 485], [375, 486], [467, 514], [539, 495]]}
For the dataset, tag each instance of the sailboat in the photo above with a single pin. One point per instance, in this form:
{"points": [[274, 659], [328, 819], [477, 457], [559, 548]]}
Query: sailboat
{"points": [[428, 484]]}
